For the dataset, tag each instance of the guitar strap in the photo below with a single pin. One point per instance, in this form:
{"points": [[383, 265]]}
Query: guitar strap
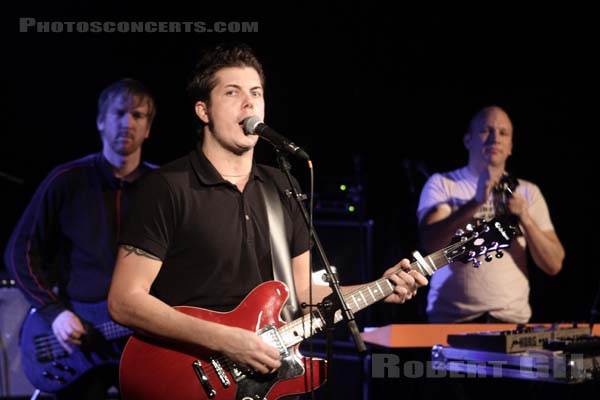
{"points": [[280, 251]]}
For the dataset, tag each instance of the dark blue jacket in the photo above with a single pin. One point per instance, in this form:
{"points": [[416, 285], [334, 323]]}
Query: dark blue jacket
{"points": [[64, 246]]}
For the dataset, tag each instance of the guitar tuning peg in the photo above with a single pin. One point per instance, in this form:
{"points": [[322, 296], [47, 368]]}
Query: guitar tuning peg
{"points": [[499, 254], [469, 227], [476, 263], [459, 232], [488, 257]]}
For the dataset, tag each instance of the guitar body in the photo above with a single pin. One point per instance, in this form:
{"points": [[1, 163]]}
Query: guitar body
{"points": [[45, 362], [150, 370]]}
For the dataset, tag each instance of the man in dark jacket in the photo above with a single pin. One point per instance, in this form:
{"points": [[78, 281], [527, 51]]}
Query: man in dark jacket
{"points": [[62, 251]]}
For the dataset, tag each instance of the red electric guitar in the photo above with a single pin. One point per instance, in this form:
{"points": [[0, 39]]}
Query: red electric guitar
{"points": [[156, 370]]}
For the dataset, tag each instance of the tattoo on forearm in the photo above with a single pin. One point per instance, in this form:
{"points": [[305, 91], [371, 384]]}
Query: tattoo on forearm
{"points": [[138, 252]]}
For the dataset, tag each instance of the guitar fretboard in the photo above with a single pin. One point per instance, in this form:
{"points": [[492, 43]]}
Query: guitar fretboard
{"points": [[305, 326]]}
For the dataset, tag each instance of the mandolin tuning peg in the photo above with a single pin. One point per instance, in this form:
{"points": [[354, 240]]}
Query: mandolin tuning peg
{"points": [[488, 257], [499, 254], [476, 263], [469, 227], [459, 233]]}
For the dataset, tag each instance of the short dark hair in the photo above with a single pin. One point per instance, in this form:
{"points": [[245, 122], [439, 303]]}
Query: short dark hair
{"points": [[129, 87], [227, 55]]}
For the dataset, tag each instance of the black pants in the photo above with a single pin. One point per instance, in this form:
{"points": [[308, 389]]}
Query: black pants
{"points": [[92, 386]]}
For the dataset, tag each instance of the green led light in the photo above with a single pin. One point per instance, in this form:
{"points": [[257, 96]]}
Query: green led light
{"points": [[351, 208], [343, 187]]}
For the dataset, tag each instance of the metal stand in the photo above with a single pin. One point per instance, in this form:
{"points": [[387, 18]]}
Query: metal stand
{"points": [[335, 301]]}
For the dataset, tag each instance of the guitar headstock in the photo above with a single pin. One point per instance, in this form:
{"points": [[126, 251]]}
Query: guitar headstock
{"points": [[481, 240], [507, 184]]}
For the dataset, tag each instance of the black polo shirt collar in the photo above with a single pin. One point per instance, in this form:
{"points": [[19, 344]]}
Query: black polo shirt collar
{"points": [[207, 173]]}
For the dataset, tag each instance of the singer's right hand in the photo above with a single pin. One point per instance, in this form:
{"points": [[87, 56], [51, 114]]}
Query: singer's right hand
{"points": [[248, 349]]}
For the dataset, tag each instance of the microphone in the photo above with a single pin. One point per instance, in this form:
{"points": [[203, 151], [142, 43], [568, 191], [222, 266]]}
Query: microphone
{"points": [[254, 126]]}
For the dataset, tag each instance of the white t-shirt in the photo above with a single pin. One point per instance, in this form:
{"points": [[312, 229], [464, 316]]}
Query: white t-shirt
{"points": [[460, 292]]}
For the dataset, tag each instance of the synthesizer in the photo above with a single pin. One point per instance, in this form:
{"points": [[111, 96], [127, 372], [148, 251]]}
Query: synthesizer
{"points": [[518, 340]]}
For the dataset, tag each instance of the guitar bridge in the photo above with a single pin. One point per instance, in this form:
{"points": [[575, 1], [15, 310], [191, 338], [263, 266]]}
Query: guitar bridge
{"points": [[220, 372]]}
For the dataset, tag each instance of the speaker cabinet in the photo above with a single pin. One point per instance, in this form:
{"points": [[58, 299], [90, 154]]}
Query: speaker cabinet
{"points": [[348, 246], [13, 309]]}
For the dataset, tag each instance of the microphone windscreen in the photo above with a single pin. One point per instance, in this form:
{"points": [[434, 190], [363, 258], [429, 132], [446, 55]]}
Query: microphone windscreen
{"points": [[250, 124]]}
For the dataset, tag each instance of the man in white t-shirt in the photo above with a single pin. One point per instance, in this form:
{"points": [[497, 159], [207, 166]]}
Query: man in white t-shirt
{"points": [[499, 290]]}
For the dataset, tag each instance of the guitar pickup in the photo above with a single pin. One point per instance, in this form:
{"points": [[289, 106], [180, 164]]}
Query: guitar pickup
{"points": [[45, 349], [210, 391], [270, 335]]}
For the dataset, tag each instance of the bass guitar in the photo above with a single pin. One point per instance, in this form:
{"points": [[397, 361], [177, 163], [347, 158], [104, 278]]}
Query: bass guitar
{"points": [[49, 367]]}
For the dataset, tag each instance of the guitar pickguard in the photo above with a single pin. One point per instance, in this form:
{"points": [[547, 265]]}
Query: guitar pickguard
{"points": [[257, 386]]}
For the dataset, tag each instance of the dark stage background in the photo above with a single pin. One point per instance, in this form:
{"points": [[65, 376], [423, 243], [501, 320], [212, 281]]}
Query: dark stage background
{"points": [[377, 97]]}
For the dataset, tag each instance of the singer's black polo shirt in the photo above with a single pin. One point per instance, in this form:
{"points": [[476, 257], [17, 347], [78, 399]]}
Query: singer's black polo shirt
{"points": [[213, 239]]}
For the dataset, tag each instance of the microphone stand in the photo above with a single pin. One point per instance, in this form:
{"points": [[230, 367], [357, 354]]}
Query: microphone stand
{"points": [[334, 301], [11, 178]]}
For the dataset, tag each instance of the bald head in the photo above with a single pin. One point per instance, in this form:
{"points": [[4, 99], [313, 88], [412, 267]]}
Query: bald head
{"points": [[494, 112], [489, 138]]}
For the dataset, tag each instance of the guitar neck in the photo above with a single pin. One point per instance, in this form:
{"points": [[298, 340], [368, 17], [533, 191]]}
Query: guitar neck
{"points": [[305, 326]]}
